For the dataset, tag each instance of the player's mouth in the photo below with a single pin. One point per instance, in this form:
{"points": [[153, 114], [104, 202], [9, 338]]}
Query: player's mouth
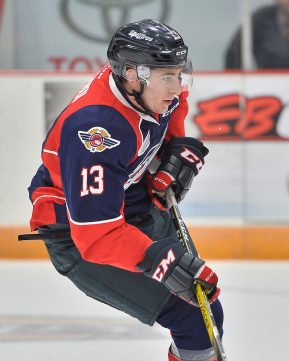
{"points": [[167, 102]]}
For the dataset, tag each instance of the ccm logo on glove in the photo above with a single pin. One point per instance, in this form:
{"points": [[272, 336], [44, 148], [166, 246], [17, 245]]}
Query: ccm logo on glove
{"points": [[181, 160], [162, 181], [167, 262], [192, 158], [163, 266]]}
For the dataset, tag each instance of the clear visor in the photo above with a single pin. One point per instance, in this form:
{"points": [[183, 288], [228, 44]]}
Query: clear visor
{"points": [[182, 79], [187, 76]]}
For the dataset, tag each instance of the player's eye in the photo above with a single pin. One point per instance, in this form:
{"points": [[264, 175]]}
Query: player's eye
{"points": [[169, 78]]}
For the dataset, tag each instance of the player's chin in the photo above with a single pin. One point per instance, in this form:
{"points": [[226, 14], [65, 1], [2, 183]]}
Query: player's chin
{"points": [[163, 107]]}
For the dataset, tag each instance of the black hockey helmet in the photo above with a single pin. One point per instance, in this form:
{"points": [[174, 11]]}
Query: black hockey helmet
{"points": [[146, 42]]}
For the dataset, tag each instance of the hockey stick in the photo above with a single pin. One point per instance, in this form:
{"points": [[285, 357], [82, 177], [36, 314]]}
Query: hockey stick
{"points": [[188, 244]]}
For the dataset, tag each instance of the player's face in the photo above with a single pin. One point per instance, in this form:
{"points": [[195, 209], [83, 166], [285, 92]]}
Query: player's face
{"points": [[164, 84]]}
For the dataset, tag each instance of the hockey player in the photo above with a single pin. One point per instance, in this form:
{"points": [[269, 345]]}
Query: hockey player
{"points": [[94, 200]]}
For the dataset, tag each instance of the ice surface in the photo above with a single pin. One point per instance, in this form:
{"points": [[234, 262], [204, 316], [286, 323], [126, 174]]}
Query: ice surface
{"points": [[44, 317]]}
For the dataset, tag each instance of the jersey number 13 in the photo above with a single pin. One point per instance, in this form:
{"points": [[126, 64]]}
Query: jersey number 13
{"points": [[97, 185]]}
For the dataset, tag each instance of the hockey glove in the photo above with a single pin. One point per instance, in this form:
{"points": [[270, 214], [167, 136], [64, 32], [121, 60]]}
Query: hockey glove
{"points": [[181, 161], [167, 262]]}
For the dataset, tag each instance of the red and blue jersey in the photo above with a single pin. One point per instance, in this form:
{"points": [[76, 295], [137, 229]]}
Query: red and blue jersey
{"points": [[95, 158]]}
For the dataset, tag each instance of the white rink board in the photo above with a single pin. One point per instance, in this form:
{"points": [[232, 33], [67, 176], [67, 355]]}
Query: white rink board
{"points": [[242, 181]]}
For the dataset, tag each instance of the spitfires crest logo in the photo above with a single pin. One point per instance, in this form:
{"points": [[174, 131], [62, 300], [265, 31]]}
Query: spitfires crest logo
{"points": [[97, 139]]}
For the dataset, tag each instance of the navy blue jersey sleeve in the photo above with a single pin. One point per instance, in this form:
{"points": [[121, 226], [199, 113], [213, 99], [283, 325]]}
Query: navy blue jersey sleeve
{"points": [[97, 144]]}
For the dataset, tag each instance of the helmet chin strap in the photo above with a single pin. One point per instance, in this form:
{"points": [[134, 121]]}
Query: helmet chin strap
{"points": [[137, 96]]}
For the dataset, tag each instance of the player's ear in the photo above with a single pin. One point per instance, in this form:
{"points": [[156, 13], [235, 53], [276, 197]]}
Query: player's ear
{"points": [[132, 81], [131, 74]]}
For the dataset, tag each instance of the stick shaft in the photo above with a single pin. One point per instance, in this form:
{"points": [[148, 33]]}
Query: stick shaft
{"points": [[203, 302]]}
